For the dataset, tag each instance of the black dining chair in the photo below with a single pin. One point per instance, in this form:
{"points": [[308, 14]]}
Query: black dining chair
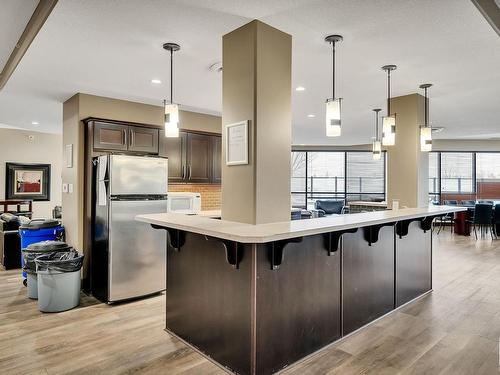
{"points": [[448, 218], [483, 217], [486, 202], [330, 206], [496, 219], [468, 203]]}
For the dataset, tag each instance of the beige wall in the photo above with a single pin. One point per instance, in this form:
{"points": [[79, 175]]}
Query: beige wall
{"points": [[465, 145], [16, 147], [256, 86], [407, 166], [81, 106]]}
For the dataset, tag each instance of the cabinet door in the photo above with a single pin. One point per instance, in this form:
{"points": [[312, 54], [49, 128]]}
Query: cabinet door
{"points": [[175, 150], [110, 136], [216, 159], [143, 140], [199, 158]]}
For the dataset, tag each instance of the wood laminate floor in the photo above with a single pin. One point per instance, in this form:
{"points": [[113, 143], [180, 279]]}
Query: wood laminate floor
{"points": [[454, 330]]}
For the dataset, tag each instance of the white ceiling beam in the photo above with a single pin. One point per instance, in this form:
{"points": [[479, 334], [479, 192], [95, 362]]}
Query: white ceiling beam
{"points": [[40, 15]]}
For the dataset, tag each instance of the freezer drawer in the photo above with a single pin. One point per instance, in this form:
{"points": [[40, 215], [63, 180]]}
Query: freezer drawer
{"points": [[137, 254], [134, 175]]}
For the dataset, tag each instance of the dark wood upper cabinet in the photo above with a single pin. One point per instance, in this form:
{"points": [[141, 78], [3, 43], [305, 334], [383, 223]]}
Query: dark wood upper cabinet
{"points": [[216, 159], [175, 150], [199, 158], [143, 140], [110, 136]]}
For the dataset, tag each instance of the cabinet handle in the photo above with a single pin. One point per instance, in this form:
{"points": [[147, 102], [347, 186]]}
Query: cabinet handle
{"points": [[189, 178], [183, 172], [131, 140]]}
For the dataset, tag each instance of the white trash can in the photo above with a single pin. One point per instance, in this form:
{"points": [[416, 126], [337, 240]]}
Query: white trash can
{"points": [[32, 285], [58, 281], [58, 291], [33, 251]]}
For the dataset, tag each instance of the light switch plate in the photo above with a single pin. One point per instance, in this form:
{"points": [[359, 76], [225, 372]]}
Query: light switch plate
{"points": [[70, 188]]}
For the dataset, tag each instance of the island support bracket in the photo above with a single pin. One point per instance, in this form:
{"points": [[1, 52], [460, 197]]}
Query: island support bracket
{"points": [[371, 232], [177, 237], [276, 251], [331, 240], [233, 249], [425, 224]]}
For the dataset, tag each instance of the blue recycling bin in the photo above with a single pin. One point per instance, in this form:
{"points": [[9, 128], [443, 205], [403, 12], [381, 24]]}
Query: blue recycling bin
{"points": [[39, 230]]}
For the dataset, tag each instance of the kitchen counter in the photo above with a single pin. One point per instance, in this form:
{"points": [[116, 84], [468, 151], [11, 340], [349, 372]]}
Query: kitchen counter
{"points": [[257, 298], [261, 233], [213, 214]]}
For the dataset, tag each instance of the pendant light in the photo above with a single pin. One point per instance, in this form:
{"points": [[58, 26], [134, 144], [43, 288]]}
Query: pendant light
{"points": [[377, 145], [171, 109], [333, 120], [426, 130], [389, 121]]}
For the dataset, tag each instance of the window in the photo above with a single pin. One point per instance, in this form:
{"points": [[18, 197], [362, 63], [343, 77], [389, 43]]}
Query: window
{"points": [[434, 189], [322, 175], [325, 176], [488, 175], [298, 183], [365, 176], [457, 172], [464, 176]]}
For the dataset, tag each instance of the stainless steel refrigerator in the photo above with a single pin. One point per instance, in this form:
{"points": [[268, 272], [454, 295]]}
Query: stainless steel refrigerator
{"points": [[128, 257]]}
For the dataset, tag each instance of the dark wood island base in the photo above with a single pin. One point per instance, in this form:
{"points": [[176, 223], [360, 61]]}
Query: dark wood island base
{"points": [[256, 308]]}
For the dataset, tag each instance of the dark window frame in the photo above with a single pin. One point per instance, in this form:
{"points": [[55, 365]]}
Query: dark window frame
{"points": [[336, 194]]}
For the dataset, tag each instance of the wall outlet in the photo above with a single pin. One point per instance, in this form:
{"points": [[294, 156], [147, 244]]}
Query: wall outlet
{"points": [[64, 187]]}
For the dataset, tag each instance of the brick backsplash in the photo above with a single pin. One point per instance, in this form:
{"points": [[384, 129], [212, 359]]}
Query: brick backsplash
{"points": [[210, 194]]}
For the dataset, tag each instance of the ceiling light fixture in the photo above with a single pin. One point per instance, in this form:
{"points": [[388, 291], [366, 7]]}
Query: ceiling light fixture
{"points": [[171, 109], [34, 123], [377, 145], [300, 88], [333, 110], [311, 115], [389, 121], [155, 81], [426, 130]]}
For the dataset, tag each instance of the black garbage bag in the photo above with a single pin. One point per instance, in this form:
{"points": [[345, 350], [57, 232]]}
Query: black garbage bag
{"points": [[62, 261], [41, 248]]}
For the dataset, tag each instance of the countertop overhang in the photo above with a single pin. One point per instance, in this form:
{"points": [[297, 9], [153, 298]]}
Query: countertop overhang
{"points": [[261, 233]]}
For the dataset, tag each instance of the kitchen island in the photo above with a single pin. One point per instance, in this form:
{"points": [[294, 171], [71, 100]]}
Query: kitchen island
{"points": [[257, 298]]}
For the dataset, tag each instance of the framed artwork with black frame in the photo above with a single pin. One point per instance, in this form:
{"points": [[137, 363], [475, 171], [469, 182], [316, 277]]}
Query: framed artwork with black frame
{"points": [[27, 181]]}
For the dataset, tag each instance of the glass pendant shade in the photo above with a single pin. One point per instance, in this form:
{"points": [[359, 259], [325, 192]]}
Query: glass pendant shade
{"points": [[377, 150], [425, 139], [333, 125], [389, 130], [171, 120]]}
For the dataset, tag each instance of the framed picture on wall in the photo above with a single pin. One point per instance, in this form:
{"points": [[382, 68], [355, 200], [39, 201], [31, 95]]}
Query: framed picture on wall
{"points": [[237, 143], [27, 181]]}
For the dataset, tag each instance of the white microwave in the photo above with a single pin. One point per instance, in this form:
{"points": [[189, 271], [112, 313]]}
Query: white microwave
{"points": [[184, 203]]}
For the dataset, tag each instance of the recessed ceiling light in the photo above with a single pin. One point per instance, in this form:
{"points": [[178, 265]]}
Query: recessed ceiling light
{"points": [[311, 116], [155, 81], [300, 88], [34, 123]]}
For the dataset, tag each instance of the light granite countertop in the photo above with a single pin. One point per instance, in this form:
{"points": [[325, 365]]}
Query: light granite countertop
{"points": [[261, 233]]}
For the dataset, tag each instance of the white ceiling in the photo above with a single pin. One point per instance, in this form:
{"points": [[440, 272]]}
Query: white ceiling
{"points": [[113, 48], [14, 16]]}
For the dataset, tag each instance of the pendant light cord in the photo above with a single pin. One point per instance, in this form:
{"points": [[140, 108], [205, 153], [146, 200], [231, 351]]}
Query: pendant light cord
{"points": [[333, 70], [426, 109], [388, 93], [171, 76], [376, 125]]}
